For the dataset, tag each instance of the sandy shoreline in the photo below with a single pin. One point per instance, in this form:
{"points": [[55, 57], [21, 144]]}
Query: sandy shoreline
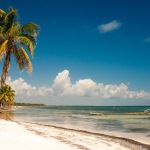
{"points": [[16, 137], [27, 136]]}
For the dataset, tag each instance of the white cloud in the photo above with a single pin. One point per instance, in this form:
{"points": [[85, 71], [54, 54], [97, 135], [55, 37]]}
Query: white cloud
{"points": [[24, 89], [62, 87], [44, 91], [113, 25], [113, 91], [21, 87], [85, 87], [61, 82]]}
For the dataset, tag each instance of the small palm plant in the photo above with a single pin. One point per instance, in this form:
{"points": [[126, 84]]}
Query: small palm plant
{"points": [[7, 96]]}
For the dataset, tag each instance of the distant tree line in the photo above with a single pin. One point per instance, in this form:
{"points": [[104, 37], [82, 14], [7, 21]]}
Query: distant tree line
{"points": [[27, 104]]}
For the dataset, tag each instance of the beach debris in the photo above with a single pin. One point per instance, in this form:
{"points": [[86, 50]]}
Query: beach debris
{"points": [[97, 114], [147, 111]]}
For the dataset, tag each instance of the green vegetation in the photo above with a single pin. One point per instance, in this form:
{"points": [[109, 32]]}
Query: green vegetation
{"points": [[17, 41], [6, 96], [27, 104]]}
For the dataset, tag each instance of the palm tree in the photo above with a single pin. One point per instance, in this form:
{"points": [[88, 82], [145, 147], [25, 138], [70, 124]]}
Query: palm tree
{"points": [[6, 96], [17, 41]]}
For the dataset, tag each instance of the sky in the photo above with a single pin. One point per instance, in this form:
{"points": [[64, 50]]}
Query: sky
{"points": [[89, 52]]}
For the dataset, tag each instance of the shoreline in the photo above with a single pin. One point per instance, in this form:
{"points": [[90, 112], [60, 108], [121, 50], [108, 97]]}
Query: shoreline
{"points": [[69, 139], [14, 136], [126, 142]]}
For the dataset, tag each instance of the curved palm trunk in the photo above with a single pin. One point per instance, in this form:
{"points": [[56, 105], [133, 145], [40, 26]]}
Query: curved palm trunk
{"points": [[6, 68]]}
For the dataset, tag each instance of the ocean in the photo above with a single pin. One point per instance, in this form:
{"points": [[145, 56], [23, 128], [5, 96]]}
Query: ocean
{"points": [[120, 121]]}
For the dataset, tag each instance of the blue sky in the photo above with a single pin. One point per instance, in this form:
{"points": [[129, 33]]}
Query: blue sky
{"points": [[107, 42]]}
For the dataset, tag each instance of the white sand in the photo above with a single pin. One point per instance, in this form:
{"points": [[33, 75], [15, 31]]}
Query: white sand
{"points": [[14, 136]]}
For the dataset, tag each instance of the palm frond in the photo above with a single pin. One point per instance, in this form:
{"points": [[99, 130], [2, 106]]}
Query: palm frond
{"points": [[30, 37], [27, 60], [1, 96], [13, 30], [2, 13], [30, 28], [26, 41], [1, 29], [3, 47], [10, 18], [7, 96], [22, 59], [2, 37], [18, 58]]}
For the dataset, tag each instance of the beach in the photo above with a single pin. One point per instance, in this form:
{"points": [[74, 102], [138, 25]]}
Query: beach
{"points": [[15, 137], [90, 89], [74, 128], [27, 136]]}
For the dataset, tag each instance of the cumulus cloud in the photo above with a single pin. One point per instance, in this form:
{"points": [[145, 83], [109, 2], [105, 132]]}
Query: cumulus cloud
{"points": [[24, 89], [61, 82], [62, 87], [113, 25], [85, 87]]}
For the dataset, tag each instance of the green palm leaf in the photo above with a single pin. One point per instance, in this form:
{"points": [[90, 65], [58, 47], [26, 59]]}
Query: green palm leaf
{"points": [[3, 48], [25, 41], [6, 95], [30, 28], [10, 18], [22, 59], [13, 30], [2, 13]]}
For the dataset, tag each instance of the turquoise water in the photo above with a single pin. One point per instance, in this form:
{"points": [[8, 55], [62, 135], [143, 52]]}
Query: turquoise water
{"points": [[93, 118]]}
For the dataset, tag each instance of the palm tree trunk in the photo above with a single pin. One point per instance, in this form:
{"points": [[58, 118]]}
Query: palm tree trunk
{"points": [[6, 68]]}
